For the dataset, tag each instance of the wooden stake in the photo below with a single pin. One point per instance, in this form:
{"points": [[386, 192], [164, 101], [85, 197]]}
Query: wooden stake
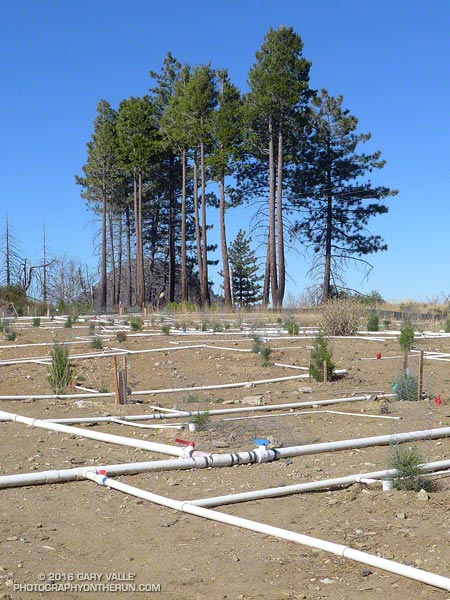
{"points": [[124, 381], [420, 381], [325, 371], [116, 379]]}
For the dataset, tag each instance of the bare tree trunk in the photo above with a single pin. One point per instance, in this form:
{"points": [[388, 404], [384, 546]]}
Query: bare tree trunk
{"points": [[45, 267], [172, 215], [266, 288], [205, 291], [141, 247], [112, 255], [280, 224], [8, 256], [119, 258], [223, 241], [272, 221], [137, 241], [328, 238], [129, 258], [184, 281], [104, 284], [197, 226]]}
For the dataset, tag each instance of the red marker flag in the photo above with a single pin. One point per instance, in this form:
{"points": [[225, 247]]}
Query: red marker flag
{"points": [[438, 400]]}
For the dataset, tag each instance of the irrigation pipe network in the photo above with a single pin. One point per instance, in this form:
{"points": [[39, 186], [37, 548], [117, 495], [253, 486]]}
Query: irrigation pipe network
{"points": [[220, 386], [167, 413], [339, 549], [261, 454]]}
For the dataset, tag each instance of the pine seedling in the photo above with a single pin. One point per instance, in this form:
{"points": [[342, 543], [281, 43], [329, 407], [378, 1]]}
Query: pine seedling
{"points": [[409, 474], [321, 352], [265, 353], [136, 323], [96, 343], [406, 340], [373, 323]]}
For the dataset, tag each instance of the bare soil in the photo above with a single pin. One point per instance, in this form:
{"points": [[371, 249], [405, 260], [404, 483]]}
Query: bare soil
{"points": [[72, 529]]}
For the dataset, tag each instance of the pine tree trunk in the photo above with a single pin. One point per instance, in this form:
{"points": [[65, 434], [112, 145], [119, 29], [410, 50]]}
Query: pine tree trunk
{"points": [[104, 288], [280, 224], [129, 258], [137, 242], [328, 237], [184, 278], [266, 288], [172, 210], [141, 247], [112, 256], [272, 221], [8, 256], [119, 259], [197, 226], [223, 241], [205, 291], [44, 280]]}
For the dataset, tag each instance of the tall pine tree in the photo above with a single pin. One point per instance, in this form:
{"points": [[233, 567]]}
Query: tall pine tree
{"points": [[244, 271], [333, 192]]}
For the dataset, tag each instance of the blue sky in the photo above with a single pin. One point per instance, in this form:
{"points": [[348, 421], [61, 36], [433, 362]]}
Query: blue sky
{"points": [[388, 59]]}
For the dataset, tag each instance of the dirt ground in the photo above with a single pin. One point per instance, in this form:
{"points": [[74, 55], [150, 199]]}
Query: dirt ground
{"points": [[79, 532]]}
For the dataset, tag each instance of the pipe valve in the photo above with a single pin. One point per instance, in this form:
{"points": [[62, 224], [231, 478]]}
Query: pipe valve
{"points": [[262, 451], [189, 447]]}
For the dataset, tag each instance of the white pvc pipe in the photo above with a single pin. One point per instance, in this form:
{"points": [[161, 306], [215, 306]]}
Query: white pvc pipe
{"points": [[94, 435], [311, 486], [162, 391], [221, 386], [306, 540], [177, 414], [142, 426], [313, 412], [218, 460]]}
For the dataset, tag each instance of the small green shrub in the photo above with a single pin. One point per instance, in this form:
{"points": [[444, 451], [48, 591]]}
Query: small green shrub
{"points": [[373, 323], [91, 327], [292, 327], [265, 353], [96, 343], [409, 473], [121, 336], [11, 336], [406, 339], [36, 322], [386, 323], [257, 343], [136, 323], [201, 420], [68, 322], [165, 329], [321, 351], [217, 327], [60, 372], [406, 387], [205, 326]]}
